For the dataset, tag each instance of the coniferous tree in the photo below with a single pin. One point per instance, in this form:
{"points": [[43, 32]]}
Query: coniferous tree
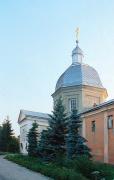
{"points": [[0, 137], [76, 144], [6, 135], [8, 142], [43, 150], [32, 140], [13, 145], [57, 131], [52, 141]]}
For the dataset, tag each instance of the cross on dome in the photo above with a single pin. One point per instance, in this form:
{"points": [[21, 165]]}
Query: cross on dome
{"points": [[77, 34], [77, 53]]}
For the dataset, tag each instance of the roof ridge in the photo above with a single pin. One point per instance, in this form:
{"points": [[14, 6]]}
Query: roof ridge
{"points": [[98, 106], [32, 111]]}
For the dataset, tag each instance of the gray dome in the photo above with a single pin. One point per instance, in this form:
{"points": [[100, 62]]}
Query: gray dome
{"points": [[79, 74]]}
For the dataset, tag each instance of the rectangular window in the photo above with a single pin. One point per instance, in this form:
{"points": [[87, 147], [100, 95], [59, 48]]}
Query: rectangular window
{"points": [[93, 126], [110, 122], [73, 104]]}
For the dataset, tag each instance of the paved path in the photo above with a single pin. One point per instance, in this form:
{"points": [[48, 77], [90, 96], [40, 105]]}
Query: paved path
{"points": [[12, 171]]}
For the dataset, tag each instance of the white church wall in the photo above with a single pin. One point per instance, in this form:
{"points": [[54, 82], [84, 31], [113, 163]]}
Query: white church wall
{"points": [[25, 126]]}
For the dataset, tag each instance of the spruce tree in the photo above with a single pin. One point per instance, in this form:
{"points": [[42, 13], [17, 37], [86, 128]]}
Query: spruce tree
{"points": [[0, 137], [57, 131], [52, 141], [6, 135], [43, 150], [32, 140], [76, 144], [13, 145]]}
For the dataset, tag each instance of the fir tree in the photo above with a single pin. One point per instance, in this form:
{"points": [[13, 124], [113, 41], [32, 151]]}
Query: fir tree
{"points": [[43, 150], [13, 145], [32, 140], [57, 130], [76, 144], [52, 141], [0, 137], [6, 135]]}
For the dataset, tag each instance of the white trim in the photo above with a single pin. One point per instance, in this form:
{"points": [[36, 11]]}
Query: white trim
{"points": [[83, 128], [105, 139]]}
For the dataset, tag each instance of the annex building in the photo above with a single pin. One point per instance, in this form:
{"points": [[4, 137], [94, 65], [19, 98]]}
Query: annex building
{"points": [[80, 88]]}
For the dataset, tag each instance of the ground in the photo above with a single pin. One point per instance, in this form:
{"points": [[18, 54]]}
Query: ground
{"points": [[12, 171]]}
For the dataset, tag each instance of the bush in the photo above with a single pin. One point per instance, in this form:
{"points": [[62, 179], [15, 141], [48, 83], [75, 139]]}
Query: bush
{"points": [[106, 170], [86, 167]]}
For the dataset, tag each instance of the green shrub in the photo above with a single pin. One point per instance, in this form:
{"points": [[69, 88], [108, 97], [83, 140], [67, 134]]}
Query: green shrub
{"points": [[85, 166], [105, 170]]}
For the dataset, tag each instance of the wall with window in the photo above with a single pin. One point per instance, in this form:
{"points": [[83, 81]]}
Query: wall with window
{"points": [[81, 97], [71, 96], [94, 135], [98, 129]]}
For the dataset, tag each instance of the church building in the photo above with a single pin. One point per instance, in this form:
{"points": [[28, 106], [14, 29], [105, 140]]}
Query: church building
{"points": [[80, 88]]}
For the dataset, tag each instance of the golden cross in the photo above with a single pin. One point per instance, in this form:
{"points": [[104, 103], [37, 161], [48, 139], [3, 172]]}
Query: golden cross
{"points": [[77, 33]]}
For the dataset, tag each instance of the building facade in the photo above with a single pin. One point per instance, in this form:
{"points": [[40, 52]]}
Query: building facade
{"points": [[25, 121], [98, 129]]}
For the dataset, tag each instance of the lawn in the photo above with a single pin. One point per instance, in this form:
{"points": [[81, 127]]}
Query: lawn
{"points": [[80, 168]]}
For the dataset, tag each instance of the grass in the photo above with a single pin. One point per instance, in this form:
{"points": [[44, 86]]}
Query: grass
{"points": [[81, 168], [4, 153], [48, 169]]}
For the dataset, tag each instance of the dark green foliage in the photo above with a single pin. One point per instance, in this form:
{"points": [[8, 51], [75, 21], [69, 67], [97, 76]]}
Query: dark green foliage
{"points": [[76, 144], [105, 170], [43, 150], [32, 140], [13, 145], [0, 137], [77, 169], [56, 133], [58, 129], [8, 142], [83, 165], [48, 169], [86, 167], [6, 136]]}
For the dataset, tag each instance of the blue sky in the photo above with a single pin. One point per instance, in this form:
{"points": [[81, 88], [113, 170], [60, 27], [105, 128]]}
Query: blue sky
{"points": [[36, 41]]}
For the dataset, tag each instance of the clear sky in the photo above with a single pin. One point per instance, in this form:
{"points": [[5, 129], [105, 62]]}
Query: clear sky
{"points": [[36, 40]]}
